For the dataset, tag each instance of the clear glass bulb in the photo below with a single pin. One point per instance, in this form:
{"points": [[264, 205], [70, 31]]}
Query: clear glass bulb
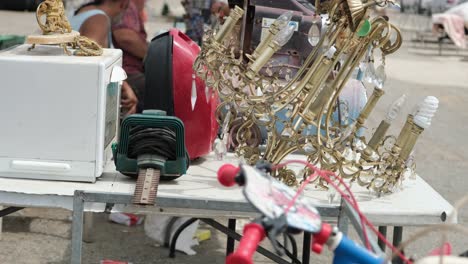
{"points": [[285, 35], [283, 20], [395, 108], [329, 54], [426, 111]]}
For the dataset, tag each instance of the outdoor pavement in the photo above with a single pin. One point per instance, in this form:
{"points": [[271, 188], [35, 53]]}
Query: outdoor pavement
{"points": [[43, 235]]}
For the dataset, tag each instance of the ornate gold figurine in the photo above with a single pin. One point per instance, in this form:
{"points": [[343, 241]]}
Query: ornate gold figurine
{"points": [[56, 30], [345, 38], [55, 19]]}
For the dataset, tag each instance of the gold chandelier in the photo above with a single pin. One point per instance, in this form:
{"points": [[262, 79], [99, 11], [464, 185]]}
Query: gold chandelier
{"points": [[345, 38]]}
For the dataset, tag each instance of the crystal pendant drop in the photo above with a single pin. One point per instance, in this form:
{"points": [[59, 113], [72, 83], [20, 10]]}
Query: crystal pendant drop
{"points": [[219, 149], [288, 75], [380, 77], [264, 118], [243, 104], [348, 154], [235, 81], [287, 132], [194, 92], [210, 80], [225, 89], [369, 75], [363, 66], [357, 157], [308, 147], [259, 91], [331, 193], [314, 34], [360, 145]]}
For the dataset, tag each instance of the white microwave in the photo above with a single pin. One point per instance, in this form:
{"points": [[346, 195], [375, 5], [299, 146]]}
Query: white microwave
{"points": [[59, 114]]}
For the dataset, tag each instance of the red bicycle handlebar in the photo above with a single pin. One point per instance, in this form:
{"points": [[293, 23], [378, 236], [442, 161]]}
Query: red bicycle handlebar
{"points": [[227, 175], [253, 234]]}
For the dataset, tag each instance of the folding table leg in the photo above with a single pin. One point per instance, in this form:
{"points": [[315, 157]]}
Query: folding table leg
{"points": [[88, 227], [230, 240], [306, 248], [5, 212], [343, 219], [397, 237], [1, 224], [383, 231], [77, 228]]}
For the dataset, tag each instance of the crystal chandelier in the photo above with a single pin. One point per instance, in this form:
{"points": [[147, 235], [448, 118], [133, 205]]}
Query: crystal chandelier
{"points": [[345, 39]]}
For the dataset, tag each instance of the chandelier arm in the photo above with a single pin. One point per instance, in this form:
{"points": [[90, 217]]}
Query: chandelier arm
{"points": [[360, 50], [309, 75], [334, 84], [306, 67]]}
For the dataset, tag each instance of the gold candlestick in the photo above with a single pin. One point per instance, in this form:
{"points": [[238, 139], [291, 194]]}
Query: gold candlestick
{"points": [[229, 24]]}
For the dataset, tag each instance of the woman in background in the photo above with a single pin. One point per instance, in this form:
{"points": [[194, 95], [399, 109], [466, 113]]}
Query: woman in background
{"points": [[94, 20]]}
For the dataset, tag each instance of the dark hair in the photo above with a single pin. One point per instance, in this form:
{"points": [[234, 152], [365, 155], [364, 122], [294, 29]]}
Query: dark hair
{"points": [[95, 2]]}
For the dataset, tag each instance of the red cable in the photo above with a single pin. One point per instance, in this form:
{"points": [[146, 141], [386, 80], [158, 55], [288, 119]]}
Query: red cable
{"points": [[322, 174], [353, 202], [299, 191]]}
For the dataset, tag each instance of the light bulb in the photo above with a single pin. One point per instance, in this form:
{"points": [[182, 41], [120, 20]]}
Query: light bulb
{"points": [[426, 111], [284, 35], [329, 54], [283, 20], [395, 108]]}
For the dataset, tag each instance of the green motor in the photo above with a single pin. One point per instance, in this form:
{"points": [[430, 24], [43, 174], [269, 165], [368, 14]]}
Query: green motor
{"points": [[151, 147]]}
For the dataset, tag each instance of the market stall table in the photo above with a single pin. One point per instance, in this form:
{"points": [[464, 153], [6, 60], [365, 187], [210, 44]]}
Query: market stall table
{"points": [[199, 195]]}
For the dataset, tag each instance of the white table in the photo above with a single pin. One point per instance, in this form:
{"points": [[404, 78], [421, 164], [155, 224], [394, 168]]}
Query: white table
{"points": [[198, 194]]}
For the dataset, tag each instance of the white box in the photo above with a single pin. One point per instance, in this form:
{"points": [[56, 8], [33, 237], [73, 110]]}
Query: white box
{"points": [[59, 113]]}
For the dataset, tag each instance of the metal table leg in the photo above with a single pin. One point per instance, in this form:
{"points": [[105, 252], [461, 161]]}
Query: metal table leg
{"points": [[5, 212], [88, 222], [1, 224], [397, 237], [383, 231], [343, 219], [306, 248], [227, 231], [230, 240], [77, 228], [9, 210]]}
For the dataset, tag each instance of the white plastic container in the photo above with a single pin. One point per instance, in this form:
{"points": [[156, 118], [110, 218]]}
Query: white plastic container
{"points": [[58, 113]]}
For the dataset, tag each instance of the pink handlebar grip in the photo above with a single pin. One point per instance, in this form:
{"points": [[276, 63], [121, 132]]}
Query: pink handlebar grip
{"points": [[253, 235], [227, 175]]}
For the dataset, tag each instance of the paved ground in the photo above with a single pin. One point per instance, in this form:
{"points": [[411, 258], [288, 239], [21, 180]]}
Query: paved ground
{"points": [[42, 236]]}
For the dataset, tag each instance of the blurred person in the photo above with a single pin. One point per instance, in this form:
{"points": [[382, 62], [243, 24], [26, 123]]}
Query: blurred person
{"points": [[130, 36], [197, 15], [94, 20], [220, 10]]}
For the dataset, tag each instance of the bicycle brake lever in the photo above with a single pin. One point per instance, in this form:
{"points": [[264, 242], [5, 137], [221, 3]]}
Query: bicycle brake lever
{"points": [[274, 228]]}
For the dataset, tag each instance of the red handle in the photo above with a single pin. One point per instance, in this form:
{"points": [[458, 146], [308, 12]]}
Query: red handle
{"points": [[227, 175], [253, 235]]}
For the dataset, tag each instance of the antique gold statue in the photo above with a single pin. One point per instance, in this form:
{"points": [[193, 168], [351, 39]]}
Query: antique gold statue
{"points": [[55, 19], [56, 30]]}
